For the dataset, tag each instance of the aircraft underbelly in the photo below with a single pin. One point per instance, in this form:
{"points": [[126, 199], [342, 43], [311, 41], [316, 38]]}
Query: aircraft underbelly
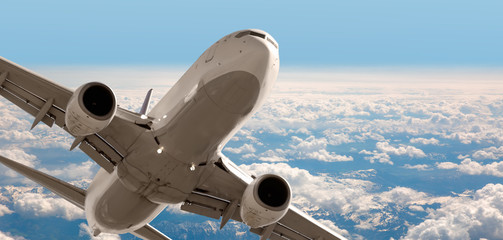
{"points": [[111, 207]]}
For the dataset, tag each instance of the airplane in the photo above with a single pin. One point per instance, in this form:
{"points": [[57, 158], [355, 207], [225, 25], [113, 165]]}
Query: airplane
{"points": [[171, 154]]}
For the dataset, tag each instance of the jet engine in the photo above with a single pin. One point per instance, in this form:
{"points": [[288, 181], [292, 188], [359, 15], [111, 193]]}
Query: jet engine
{"points": [[265, 200], [90, 109]]}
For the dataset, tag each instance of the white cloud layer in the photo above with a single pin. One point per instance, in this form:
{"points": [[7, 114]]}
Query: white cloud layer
{"points": [[493, 153], [476, 216], [72, 171], [355, 199], [424, 141], [419, 167], [315, 148], [384, 150], [327, 115], [246, 148], [9, 236], [400, 150], [4, 210], [474, 168]]}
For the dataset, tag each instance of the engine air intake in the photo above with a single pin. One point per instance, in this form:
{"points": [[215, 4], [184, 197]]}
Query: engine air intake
{"points": [[98, 100], [273, 192]]}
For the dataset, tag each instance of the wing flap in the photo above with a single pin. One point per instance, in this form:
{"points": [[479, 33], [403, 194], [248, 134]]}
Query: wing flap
{"points": [[205, 205], [280, 232], [96, 156], [67, 191]]}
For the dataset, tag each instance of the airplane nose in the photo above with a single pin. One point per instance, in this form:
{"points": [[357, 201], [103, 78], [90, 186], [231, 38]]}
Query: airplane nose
{"points": [[254, 57], [235, 92]]}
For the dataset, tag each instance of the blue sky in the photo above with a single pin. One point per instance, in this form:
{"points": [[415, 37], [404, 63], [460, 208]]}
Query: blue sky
{"points": [[314, 33]]}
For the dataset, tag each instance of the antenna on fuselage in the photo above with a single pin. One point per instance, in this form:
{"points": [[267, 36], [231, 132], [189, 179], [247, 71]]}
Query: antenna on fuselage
{"points": [[146, 102]]}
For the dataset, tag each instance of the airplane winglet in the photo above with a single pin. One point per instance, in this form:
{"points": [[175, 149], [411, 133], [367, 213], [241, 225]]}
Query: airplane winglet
{"points": [[146, 102]]}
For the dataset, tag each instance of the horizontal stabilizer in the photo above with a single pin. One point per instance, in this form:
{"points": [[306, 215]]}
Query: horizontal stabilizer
{"points": [[150, 233], [67, 191]]}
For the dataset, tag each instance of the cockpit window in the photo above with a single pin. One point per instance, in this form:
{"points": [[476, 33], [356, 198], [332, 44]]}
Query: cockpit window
{"points": [[241, 34], [256, 34]]}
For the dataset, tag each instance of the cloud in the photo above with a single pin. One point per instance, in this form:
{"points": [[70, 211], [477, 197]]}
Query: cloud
{"points": [[4, 210], [474, 168], [32, 201], [477, 216], [384, 150], [9, 236], [84, 170], [335, 138], [246, 148], [19, 155], [424, 141], [325, 156], [376, 156], [416, 208], [315, 148], [419, 167], [12, 117], [16, 135], [85, 230], [400, 150], [357, 117], [15, 127], [302, 130], [342, 232], [308, 148], [488, 153], [277, 155]]}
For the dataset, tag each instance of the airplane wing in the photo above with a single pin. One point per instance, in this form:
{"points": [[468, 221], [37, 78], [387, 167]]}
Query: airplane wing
{"points": [[69, 192], [72, 194], [47, 101], [149, 232], [220, 192]]}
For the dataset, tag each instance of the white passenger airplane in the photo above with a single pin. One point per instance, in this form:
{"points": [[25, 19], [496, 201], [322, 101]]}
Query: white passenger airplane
{"points": [[171, 154]]}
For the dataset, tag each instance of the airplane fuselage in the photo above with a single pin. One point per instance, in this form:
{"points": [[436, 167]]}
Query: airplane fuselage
{"points": [[189, 127]]}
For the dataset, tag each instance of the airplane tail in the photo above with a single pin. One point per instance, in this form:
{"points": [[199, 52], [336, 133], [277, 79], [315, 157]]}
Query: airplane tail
{"points": [[67, 191]]}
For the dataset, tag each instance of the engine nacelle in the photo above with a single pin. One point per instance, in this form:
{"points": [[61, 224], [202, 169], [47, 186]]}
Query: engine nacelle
{"points": [[265, 200], [90, 109]]}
